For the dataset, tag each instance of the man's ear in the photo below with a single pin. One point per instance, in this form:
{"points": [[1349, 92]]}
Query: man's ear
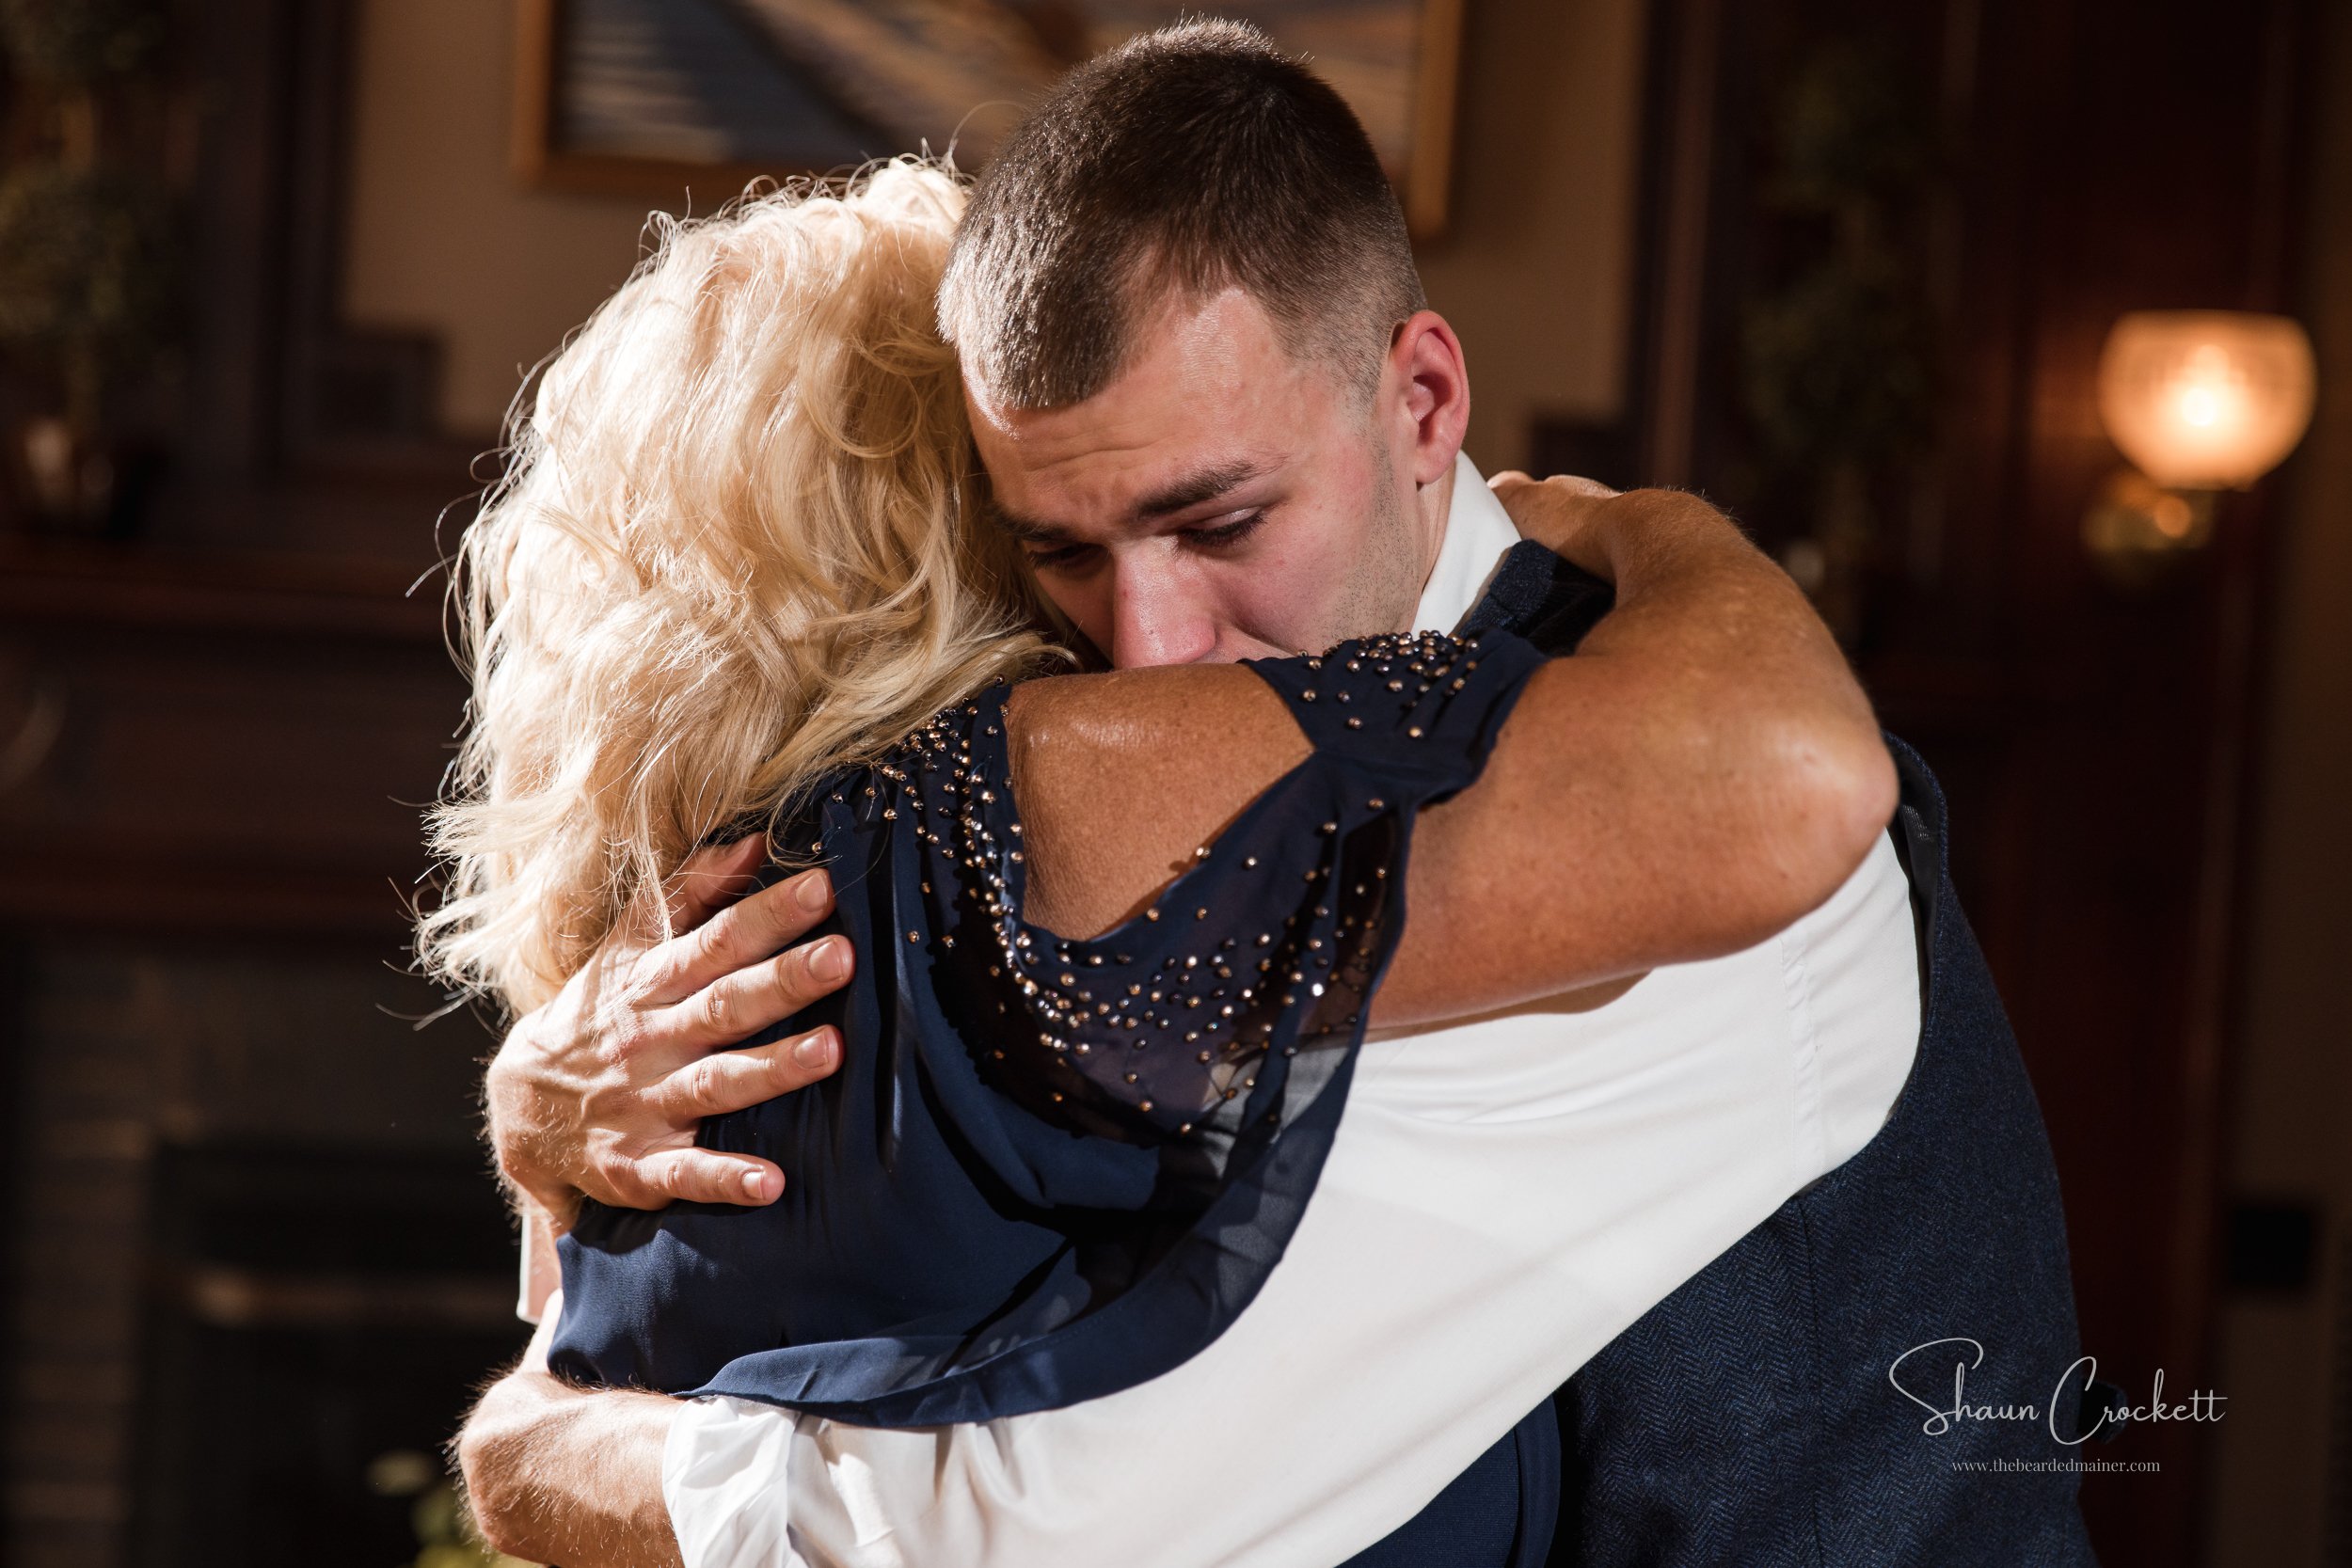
{"points": [[1426, 364]]}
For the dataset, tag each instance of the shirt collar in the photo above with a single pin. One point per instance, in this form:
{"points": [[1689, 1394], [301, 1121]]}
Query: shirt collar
{"points": [[1478, 533]]}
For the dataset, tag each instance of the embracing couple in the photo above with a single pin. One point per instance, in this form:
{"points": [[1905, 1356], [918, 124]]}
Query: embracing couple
{"points": [[1457, 1047]]}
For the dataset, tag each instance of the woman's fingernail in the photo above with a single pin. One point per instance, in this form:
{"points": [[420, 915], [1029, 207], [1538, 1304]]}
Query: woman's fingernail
{"points": [[816, 1051], [816, 888], [830, 961]]}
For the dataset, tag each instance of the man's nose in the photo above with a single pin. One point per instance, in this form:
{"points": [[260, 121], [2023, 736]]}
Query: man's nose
{"points": [[1157, 619]]}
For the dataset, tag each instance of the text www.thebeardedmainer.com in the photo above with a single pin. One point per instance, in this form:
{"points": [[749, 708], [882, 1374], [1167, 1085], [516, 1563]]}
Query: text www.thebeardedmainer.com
{"points": [[2089, 1466]]}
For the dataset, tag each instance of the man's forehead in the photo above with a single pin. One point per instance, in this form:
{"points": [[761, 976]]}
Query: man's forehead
{"points": [[1211, 401]]}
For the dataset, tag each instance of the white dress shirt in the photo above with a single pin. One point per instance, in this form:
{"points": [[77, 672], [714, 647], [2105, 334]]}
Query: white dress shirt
{"points": [[1504, 1196]]}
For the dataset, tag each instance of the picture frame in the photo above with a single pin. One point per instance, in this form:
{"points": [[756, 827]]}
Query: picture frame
{"points": [[665, 100]]}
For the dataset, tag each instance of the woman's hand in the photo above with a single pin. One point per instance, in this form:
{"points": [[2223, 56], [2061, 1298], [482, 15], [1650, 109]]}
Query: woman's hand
{"points": [[600, 1092]]}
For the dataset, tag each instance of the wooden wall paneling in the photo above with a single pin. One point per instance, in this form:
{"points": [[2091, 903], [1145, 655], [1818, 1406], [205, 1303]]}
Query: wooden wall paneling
{"points": [[242, 59], [204, 858], [258, 679], [236, 743], [2123, 735], [302, 432]]}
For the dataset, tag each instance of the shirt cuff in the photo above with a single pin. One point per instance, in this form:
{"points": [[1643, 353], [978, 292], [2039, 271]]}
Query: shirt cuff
{"points": [[722, 1479]]}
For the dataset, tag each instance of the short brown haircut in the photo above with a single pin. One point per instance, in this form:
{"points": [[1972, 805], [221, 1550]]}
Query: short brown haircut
{"points": [[1199, 157]]}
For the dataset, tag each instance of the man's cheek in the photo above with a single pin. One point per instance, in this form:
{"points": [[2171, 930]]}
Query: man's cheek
{"points": [[1287, 591], [1277, 608]]}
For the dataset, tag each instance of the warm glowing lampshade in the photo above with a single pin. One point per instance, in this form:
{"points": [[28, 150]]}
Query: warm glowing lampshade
{"points": [[2205, 400]]}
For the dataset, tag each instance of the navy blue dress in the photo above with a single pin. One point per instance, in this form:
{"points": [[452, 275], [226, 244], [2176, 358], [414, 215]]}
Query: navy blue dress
{"points": [[1048, 1170]]}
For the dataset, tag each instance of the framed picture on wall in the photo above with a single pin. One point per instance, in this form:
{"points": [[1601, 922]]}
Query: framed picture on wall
{"points": [[655, 98]]}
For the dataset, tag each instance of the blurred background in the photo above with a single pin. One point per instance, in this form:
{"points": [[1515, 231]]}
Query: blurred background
{"points": [[272, 270]]}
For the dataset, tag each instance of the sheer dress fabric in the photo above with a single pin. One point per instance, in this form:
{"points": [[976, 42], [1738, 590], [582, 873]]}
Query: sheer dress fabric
{"points": [[1047, 1169]]}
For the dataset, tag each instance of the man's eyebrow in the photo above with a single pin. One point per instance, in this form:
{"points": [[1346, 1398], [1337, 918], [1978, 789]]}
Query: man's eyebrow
{"points": [[1204, 486], [1027, 530], [1193, 488]]}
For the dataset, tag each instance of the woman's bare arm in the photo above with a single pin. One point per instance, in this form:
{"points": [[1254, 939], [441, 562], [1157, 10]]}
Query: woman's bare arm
{"points": [[1703, 773]]}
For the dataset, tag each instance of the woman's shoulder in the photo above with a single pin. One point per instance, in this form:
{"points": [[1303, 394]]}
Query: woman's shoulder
{"points": [[1237, 909], [955, 745]]}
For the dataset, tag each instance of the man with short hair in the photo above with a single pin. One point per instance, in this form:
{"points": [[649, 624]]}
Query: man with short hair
{"points": [[1102, 288], [1217, 412]]}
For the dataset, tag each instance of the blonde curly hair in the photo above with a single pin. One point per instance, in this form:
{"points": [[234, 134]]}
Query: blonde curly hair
{"points": [[737, 549]]}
